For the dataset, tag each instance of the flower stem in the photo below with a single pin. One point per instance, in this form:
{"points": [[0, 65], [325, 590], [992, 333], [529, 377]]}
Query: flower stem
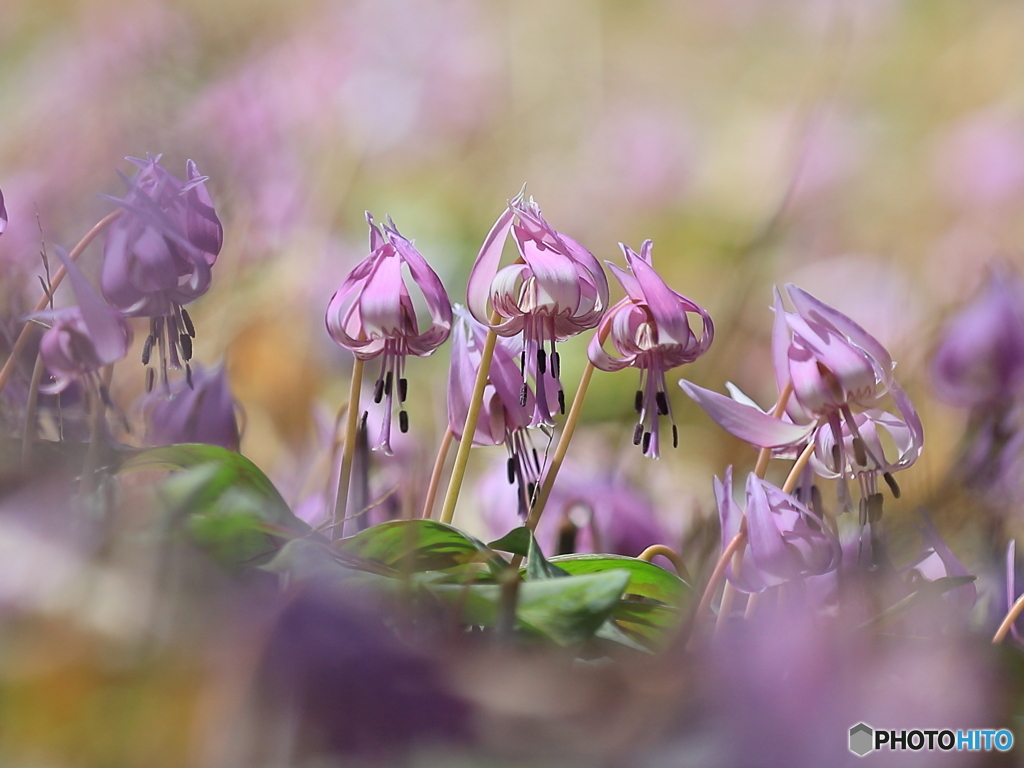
{"points": [[765, 454], [22, 340], [97, 412], [734, 546], [435, 476], [351, 425], [677, 562], [798, 467], [1011, 616], [28, 439], [466, 443]]}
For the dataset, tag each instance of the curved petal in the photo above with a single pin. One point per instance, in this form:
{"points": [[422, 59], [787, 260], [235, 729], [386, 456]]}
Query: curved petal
{"points": [[745, 422], [478, 290], [110, 334]]}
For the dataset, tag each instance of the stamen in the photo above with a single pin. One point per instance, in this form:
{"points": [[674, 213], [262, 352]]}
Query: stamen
{"points": [[893, 485], [378, 391], [859, 452], [522, 363], [875, 507], [561, 401], [403, 422], [530, 488], [662, 402], [511, 469], [188, 376], [837, 458], [638, 401], [638, 432], [542, 361], [150, 376], [189, 328], [147, 350], [389, 381], [522, 395], [536, 459], [186, 346], [647, 441], [556, 364], [675, 437], [816, 501], [403, 389]]}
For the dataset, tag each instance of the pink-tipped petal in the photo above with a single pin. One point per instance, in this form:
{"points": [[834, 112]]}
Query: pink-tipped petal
{"points": [[747, 423]]}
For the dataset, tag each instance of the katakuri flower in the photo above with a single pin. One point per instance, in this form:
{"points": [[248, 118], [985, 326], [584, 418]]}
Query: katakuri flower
{"points": [[555, 290], [649, 330], [372, 314], [204, 412], [158, 256], [786, 539], [84, 338], [504, 417]]}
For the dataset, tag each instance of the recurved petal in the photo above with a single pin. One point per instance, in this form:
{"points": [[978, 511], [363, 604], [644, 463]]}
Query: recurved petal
{"points": [[485, 267], [204, 229], [746, 422], [557, 280], [110, 334]]}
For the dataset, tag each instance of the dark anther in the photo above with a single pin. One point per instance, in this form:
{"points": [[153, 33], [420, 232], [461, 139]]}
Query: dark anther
{"points": [[566, 538], [522, 395], [362, 421], [638, 401], [816, 502], [662, 402], [536, 459], [859, 452], [530, 488], [186, 346], [893, 485], [556, 364], [403, 389], [638, 432], [378, 391], [511, 467], [189, 328], [147, 350], [561, 401], [403, 422], [647, 441], [862, 508], [150, 376], [837, 458], [188, 375], [389, 382], [675, 437], [522, 362], [875, 507], [542, 361]]}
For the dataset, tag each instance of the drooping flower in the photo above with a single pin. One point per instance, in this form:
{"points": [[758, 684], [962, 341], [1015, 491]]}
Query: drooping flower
{"points": [[649, 330], [84, 338], [786, 539], [158, 256], [372, 314], [934, 561], [504, 416], [555, 290], [202, 413]]}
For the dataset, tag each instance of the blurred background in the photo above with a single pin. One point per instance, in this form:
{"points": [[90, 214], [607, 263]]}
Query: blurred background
{"points": [[871, 151]]}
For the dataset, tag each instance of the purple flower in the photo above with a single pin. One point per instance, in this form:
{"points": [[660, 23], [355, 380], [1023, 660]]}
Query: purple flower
{"points": [[554, 291], [980, 360], [203, 412], [786, 540], [372, 314], [3, 213], [158, 255], [934, 561], [649, 330], [84, 338]]}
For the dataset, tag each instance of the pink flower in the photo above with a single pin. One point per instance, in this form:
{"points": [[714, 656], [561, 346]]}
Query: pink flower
{"points": [[372, 314], [554, 291], [649, 330]]}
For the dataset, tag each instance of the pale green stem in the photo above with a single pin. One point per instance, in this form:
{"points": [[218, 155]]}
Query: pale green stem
{"points": [[435, 476], [766, 453], [351, 425], [677, 562], [1011, 617], [798, 467], [23, 337], [451, 498]]}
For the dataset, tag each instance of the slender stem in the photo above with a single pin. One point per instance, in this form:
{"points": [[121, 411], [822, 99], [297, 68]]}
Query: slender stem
{"points": [[351, 425], [435, 476], [1011, 617], [765, 454], [28, 439], [660, 549], [752, 600], [798, 467], [728, 596], [97, 411], [734, 546], [22, 340], [451, 497]]}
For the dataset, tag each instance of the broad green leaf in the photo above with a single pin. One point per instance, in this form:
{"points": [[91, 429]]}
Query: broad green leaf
{"points": [[646, 579], [412, 546], [537, 566], [650, 624], [516, 541]]}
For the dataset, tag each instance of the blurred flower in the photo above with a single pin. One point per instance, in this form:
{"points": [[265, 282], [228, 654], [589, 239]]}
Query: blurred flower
{"points": [[588, 511], [3, 213], [979, 160], [650, 331], [84, 338], [980, 359], [158, 255], [199, 410], [936, 561], [554, 291], [786, 540], [372, 314]]}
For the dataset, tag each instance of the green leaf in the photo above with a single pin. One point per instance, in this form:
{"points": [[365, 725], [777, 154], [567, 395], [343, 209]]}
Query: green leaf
{"points": [[646, 580], [516, 541], [413, 546], [537, 566], [650, 624]]}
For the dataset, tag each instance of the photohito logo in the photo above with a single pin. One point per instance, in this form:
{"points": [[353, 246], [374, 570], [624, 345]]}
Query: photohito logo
{"points": [[865, 739]]}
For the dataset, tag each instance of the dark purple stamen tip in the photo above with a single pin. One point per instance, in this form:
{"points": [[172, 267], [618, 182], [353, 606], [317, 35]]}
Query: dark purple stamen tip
{"points": [[875, 507], [511, 469], [530, 488], [188, 376], [522, 395], [675, 437], [837, 457], [561, 401], [859, 451], [647, 441], [150, 378], [638, 432], [186, 346], [893, 485], [403, 389], [638, 401], [389, 381], [378, 391], [816, 501], [542, 362], [662, 402], [522, 362], [189, 328], [147, 350], [556, 364], [403, 422]]}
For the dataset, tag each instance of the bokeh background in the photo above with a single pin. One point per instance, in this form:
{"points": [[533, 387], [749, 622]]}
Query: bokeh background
{"points": [[871, 151]]}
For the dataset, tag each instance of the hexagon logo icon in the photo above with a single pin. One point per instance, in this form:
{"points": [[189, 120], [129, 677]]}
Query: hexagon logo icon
{"points": [[861, 739]]}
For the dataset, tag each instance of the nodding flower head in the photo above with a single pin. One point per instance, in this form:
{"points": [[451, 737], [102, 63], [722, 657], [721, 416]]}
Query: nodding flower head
{"points": [[158, 255], [204, 412], [649, 330], [555, 290], [505, 416], [372, 314], [84, 338]]}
